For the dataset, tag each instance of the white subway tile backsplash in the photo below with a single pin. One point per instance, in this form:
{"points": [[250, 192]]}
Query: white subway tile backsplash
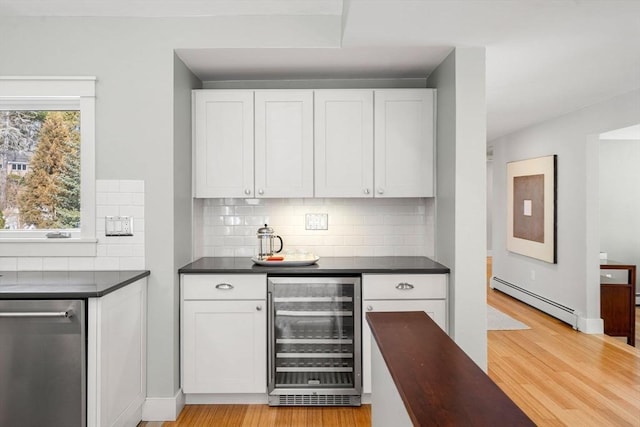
{"points": [[132, 210], [119, 250], [357, 227], [82, 263], [137, 199], [107, 263], [55, 263], [132, 263], [119, 199], [8, 264], [30, 263]]}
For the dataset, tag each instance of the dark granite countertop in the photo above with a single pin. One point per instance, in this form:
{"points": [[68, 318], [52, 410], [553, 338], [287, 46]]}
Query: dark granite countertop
{"points": [[64, 284], [329, 265]]}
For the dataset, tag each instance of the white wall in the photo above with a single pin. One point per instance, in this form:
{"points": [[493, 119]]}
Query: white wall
{"points": [[133, 60], [574, 280], [357, 227], [461, 194], [489, 207], [184, 81], [620, 200]]}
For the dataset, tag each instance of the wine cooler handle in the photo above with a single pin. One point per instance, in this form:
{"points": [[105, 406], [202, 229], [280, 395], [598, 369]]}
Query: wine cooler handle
{"points": [[270, 341], [404, 286]]}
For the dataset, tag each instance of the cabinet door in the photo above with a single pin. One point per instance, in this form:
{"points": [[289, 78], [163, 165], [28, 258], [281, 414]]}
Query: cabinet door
{"points": [[223, 143], [224, 347], [284, 143], [436, 309], [343, 143], [404, 165]]}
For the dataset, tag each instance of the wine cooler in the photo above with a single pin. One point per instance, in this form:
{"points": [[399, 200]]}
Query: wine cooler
{"points": [[314, 341]]}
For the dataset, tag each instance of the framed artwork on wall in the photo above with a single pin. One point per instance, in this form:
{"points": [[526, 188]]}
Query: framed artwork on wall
{"points": [[531, 208]]}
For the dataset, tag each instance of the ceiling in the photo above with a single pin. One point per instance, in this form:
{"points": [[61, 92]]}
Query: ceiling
{"points": [[544, 58]]}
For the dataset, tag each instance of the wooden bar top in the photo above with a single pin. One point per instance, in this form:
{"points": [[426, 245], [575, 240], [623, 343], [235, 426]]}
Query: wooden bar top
{"points": [[438, 383]]}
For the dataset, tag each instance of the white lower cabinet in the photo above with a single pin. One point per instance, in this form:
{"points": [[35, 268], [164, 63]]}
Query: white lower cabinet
{"points": [[400, 292], [117, 356], [224, 327]]}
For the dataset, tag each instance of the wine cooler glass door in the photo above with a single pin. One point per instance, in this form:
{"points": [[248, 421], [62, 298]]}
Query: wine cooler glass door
{"points": [[315, 338]]}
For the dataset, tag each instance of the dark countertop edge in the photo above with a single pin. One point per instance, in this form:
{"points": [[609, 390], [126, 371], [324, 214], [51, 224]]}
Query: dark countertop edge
{"points": [[433, 374], [122, 284], [325, 266], [298, 271], [76, 294]]}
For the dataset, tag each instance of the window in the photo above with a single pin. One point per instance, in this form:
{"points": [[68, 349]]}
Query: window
{"points": [[47, 184], [48, 197]]}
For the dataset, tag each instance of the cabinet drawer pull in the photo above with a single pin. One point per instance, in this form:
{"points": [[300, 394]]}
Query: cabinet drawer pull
{"points": [[369, 308], [224, 286], [404, 286], [258, 307]]}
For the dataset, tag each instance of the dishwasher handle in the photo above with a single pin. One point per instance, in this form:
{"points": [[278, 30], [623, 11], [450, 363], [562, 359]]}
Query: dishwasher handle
{"points": [[36, 314]]}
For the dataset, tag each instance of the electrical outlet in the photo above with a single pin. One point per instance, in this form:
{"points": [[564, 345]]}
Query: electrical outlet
{"points": [[118, 226], [316, 221]]}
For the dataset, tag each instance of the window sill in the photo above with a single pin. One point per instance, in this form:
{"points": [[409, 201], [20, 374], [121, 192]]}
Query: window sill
{"points": [[35, 247]]}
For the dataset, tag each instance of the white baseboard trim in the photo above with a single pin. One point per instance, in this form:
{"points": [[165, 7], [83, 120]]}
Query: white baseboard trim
{"points": [[233, 398], [590, 326], [552, 308], [566, 314], [163, 408]]}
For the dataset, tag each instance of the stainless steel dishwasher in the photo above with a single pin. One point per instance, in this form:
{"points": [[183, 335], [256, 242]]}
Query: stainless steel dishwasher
{"points": [[42, 363]]}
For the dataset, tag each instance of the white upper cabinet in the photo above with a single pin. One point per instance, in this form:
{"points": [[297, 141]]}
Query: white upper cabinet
{"points": [[343, 143], [284, 143], [306, 143], [404, 164], [223, 143]]}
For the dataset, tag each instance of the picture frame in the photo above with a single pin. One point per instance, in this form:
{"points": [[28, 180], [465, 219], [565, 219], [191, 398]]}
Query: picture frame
{"points": [[531, 208]]}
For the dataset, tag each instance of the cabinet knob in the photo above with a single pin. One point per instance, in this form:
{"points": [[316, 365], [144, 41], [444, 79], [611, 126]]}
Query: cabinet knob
{"points": [[247, 191], [261, 191], [259, 307], [369, 308], [224, 286], [366, 191], [404, 286], [380, 191]]}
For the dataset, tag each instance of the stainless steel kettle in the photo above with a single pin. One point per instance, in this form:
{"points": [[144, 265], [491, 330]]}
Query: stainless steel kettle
{"points": [[266, 238]]}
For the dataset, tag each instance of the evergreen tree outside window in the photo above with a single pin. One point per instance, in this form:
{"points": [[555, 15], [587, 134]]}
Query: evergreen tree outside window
{"points": [[48, 195]]}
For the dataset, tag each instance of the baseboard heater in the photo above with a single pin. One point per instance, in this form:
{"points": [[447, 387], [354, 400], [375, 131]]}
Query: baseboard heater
{"points": [[552, 308]]}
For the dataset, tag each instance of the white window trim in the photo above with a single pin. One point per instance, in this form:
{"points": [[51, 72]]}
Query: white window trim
{"points": [[58, 92]]}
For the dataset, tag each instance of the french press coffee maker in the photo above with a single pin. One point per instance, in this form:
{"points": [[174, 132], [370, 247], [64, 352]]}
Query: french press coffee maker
{"points": [[266, 238]]}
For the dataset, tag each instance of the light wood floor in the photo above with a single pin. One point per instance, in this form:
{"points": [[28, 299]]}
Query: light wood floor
{"points": [[558, 376]]}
